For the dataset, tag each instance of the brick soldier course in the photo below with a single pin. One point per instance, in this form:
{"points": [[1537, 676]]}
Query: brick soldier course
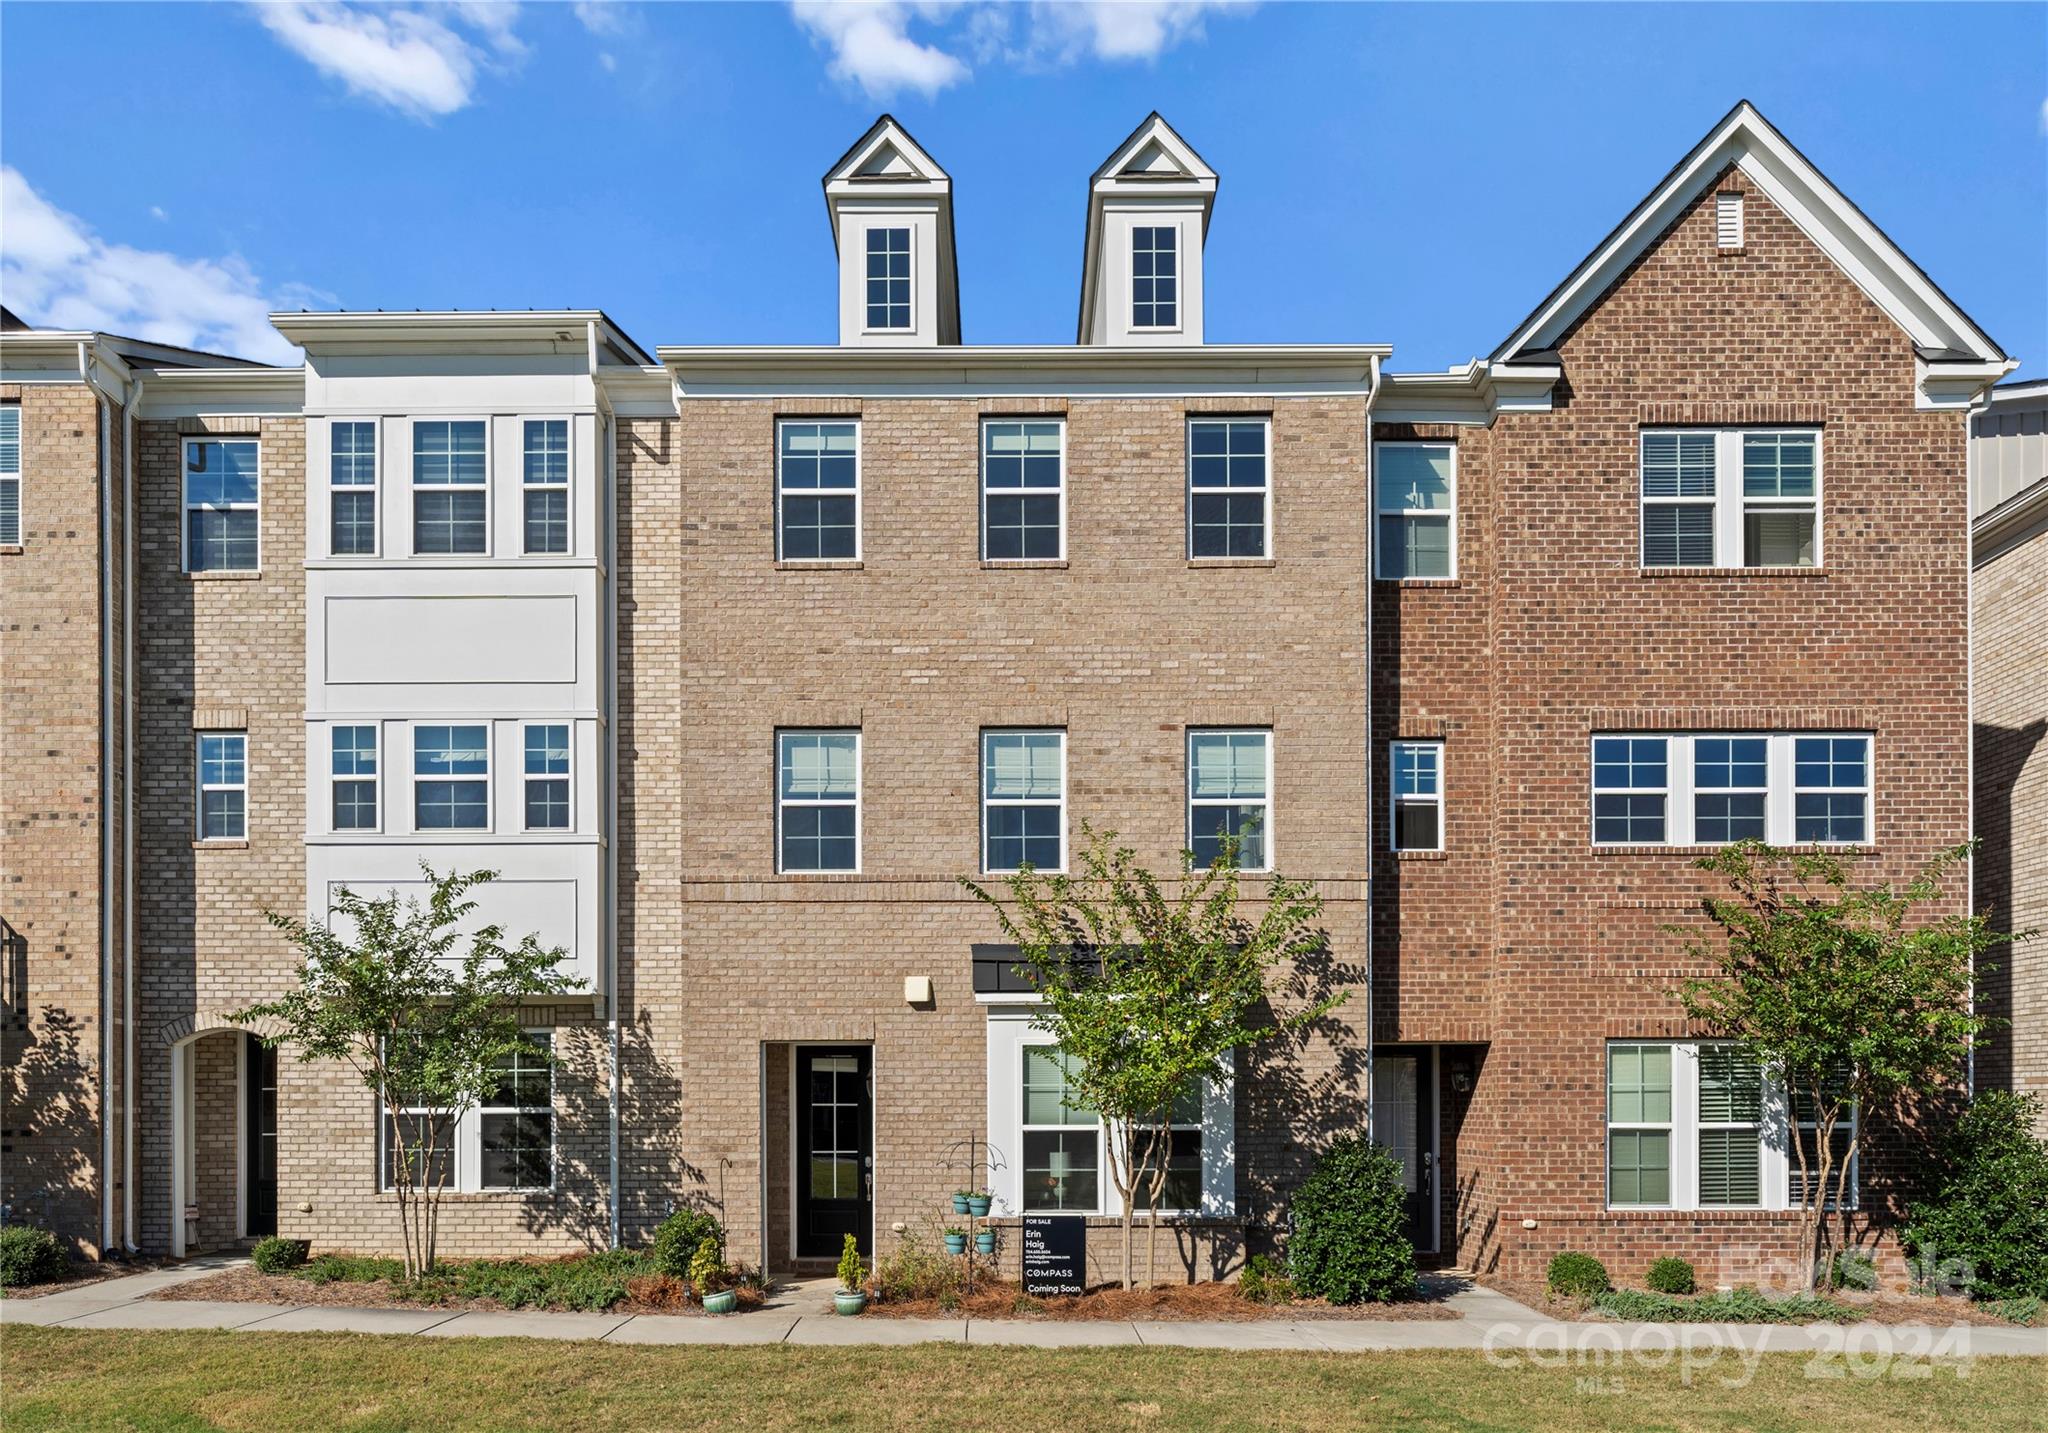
{"points": [[1506, 962]]}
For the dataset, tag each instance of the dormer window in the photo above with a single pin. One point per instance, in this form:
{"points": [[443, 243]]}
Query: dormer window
{"points": [[888, 279], [1155, 277]]}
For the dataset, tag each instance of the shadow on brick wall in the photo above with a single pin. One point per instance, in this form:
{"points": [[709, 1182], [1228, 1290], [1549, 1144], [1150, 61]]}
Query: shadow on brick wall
{"points": [[47, 1126], [2000, 754]]}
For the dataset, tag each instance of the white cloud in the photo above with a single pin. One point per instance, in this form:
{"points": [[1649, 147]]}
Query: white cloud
{"points": [[157, 211], [56, 273], [872, 45], [421, 62], [602, 17]]}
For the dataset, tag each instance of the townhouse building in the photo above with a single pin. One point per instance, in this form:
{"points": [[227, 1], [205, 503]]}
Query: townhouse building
{"points": [[733, 659]]}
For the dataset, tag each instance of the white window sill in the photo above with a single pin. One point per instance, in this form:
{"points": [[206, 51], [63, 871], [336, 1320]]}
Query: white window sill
{"points": [[1232, 562], [1025, 564], [221, 843], [819, 564], [1731, 571], [232, 575]]}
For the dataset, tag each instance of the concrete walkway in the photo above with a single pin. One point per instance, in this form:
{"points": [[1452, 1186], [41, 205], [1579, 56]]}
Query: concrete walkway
{"points": [[802, 1314]]}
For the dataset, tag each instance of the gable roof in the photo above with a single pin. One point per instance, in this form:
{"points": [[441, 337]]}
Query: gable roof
{"points": [[1942, 332], [1154, 160]]}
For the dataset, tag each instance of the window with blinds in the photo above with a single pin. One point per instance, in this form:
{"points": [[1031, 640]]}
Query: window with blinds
{"points": [[1678, 499], [1229, 788], [1023, 804], [1730, 1128], [1733, 497], [10, 474]]}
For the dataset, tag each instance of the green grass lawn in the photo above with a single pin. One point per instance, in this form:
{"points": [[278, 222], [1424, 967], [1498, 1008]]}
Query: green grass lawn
{"points": [[69, 1378]]}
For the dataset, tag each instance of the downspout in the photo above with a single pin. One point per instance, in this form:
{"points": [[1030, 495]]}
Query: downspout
{"points": [[606, 503], [1372, 394], [86, 365], [1970, 712], [129, 1183]]}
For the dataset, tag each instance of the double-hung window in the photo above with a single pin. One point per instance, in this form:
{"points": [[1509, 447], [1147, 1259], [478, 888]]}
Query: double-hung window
{"points": [[817, 476], [1639, 1124], [221, 486], [1023, 489], [1228, 488], [1729, 1128], [451, 785], [1840, 1137], [353, 768], [516, 1122], [223, 785], [1731, 786], [1062, 1154], [10, 474], [1023, 800], [1731, 497], [545, 485], [547, 776], [1831, 789], [1155, 276], [817, 808], [888, 292], [418, 1126], [1230, 787], [1417, 505], [1418, 795], [1630, 790], [1180, 1127], [449, 491], [352, 489]]}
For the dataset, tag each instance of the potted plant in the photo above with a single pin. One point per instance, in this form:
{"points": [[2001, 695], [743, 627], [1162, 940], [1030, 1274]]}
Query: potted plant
{"points": [[984, 1241], [956, 1241], [977, 1204], [707, 1273], [852, 1295], [960, 1198]]}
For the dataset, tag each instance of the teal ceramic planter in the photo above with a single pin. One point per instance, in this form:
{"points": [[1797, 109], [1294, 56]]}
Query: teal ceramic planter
{"points": [[849, 1304], [723, 1302]]}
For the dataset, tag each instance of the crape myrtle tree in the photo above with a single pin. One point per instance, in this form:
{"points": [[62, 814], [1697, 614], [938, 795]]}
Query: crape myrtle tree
{"points": [[424, 1015], [1852, 998], [1147, 993]]}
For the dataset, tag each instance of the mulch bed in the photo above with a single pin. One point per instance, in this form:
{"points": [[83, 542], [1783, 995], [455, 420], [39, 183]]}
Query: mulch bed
{"points": [[1878, 1308], [1169, 1303], [654, 1294], [82, 1276]]}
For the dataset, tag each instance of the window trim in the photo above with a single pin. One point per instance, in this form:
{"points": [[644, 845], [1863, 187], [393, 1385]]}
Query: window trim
{"points": [[374, 487], [858, 802], [1395, 800], [1267, 861], [1701, 1125], [185, 505], [859, 494], [566, 487], [1380, 513], [1264, 490], [566, 777], [1681, 789], [16, 477], [375, 778], [981, 463], [414, 487], [200, 785], [488, 778], [1729, 504], [1669, 1126], [465, 1141], [1139, 221], [1594, 790], [910, 230], [981, 785]]}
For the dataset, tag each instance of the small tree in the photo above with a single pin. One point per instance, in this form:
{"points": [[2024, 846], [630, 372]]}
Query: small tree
{"points": [[1149, 993], [385, 989], [1850, 997]]}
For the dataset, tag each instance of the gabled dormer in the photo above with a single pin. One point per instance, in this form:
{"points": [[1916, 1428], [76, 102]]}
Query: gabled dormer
{"points": [[1148, 215], [892, 223]]}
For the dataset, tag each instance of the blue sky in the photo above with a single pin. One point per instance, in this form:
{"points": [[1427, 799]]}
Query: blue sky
{"points": [[1419, 175]]}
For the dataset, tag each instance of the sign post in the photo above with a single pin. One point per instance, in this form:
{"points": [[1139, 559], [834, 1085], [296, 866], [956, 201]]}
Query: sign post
{"points": [[1055, 1255]]}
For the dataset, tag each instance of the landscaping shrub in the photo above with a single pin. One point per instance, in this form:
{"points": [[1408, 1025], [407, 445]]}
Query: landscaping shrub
{"points": [[676, 1240], [1671, 1275], [1349, 1240], [30, 1256], [278, 1256], [2025, 1312], [1989, 1205], [917, 1268], [1739, 1306], [1853, 1269], [1577, 1275], [1265, 1281], [350, 1269]]}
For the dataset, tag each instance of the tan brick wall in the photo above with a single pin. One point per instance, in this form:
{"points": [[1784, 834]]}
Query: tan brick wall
{"points": [[50, 820], [2011, 721], [216, 1131], [1552, 632]]}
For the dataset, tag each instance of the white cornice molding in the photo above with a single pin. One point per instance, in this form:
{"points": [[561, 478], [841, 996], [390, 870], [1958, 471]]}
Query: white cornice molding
{"points": [[639, 392], [210, 392], [545, 330], [1473, 393], [2022, 516]]}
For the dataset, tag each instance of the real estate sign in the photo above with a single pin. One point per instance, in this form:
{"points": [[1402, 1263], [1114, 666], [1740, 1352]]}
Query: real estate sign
{"points": [[1055, 1254]]}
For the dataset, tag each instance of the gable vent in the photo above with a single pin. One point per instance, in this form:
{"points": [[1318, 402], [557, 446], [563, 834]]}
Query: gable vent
{"points": [[1728, 220]]}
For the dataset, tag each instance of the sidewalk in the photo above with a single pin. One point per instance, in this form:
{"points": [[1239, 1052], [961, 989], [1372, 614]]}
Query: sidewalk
{"points": [[802, 1314]]}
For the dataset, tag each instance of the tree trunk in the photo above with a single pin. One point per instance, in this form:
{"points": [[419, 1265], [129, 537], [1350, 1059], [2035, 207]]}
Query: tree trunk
{"points": [[1127, 1188]]}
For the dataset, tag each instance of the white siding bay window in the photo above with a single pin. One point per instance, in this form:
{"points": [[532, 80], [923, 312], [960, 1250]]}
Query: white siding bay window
{"points": [[1056, 1151], [1695, 1124], [1731, 497], [1713, 788]]}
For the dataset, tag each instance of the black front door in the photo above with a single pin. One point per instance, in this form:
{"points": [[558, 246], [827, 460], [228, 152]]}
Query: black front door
{"points": [[1404, 1122], [262, 1126], [835, 1146]]}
